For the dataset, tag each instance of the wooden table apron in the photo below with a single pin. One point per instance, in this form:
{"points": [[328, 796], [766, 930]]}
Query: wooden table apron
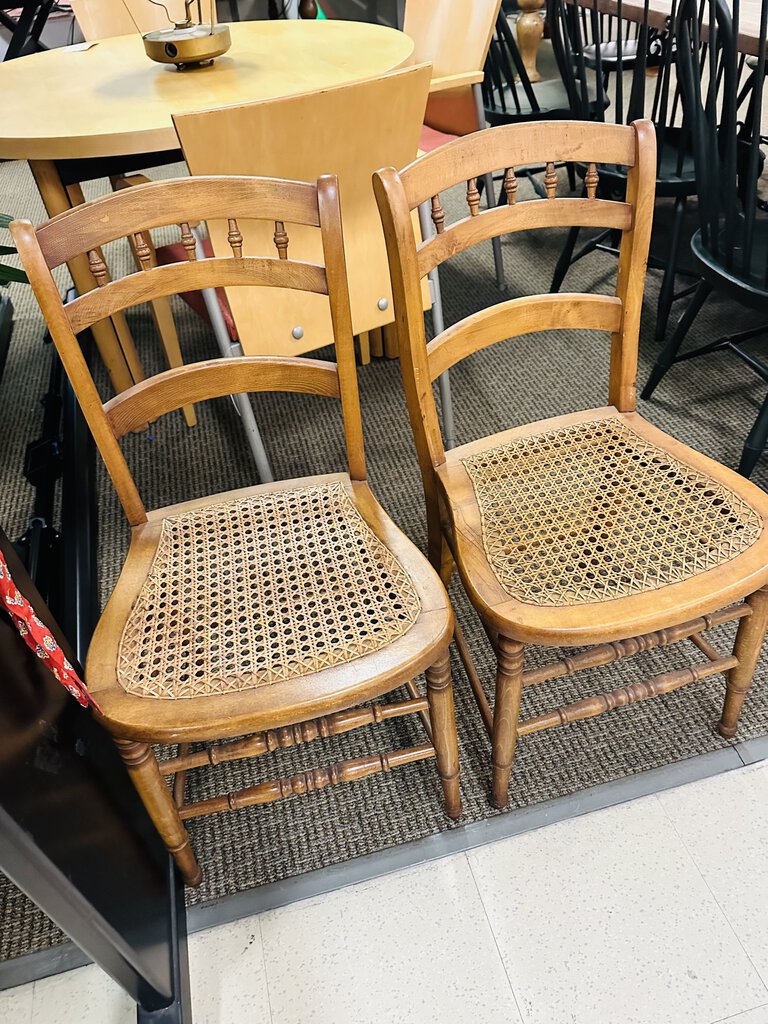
{"points": [[660, 10], [112, 101]]}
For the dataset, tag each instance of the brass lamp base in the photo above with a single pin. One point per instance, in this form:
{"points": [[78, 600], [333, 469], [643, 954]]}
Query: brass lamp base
{"points": [[187, 46]]}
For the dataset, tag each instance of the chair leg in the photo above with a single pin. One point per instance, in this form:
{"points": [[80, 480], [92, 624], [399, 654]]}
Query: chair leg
{"points": [[667, 293], [564, 260], [506, 713], [140, 760], [442, 717], [749, 641], [756, 441], [669, 352]]}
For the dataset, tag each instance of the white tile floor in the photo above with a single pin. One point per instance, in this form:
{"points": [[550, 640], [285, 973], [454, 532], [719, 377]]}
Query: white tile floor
{"points": [[653, 912]]}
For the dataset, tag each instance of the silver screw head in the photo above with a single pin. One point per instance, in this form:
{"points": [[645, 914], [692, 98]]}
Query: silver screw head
{"points": [[298, 333], [383, 304]]}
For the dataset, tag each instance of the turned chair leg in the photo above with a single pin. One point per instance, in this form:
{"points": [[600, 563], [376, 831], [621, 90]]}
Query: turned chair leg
{"points": [[443, 721], [506, 714], [749, 641], [140, 760]]}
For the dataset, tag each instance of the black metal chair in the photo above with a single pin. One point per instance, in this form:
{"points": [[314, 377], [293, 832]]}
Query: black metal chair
{"points": [[624, 103], [731, 246]]}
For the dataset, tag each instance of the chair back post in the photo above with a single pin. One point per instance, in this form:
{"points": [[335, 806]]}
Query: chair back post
{"points": [[409, 320], [76, 368], [633, 260], [341, 316]]}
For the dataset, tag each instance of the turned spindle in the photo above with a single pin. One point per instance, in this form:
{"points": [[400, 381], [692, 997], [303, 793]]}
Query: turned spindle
{"points": [[438, 215], [235, 238], [591, 180], [510, 186], [473, 197], [142, 250], [188, 241], [98, 267], [281, 240], [550, 180]]}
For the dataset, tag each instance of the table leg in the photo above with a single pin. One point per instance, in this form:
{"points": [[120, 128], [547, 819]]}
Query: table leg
{"points": [[56, 200], [530, 31]]}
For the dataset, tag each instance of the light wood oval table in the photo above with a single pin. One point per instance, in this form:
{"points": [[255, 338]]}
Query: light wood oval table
{"points": [[110, 100]]}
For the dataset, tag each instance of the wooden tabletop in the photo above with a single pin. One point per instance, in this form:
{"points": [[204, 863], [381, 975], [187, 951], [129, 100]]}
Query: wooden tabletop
{"points": [[111, 100], [659, 11]]}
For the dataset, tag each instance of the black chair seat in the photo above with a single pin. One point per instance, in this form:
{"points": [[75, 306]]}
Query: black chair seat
{"points": [[552, 104], [751, 289], [609, 55], [676, 174]]}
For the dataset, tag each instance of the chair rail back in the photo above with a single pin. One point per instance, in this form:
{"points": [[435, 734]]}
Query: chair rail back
{"points": [[82, 231], [463, 161]]}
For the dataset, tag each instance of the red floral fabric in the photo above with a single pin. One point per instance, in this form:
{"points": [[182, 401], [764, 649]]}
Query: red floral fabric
{"points": [[38, 638]]}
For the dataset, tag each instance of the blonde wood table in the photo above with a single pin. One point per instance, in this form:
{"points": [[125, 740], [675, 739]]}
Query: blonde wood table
{"points": [[111, 101]]}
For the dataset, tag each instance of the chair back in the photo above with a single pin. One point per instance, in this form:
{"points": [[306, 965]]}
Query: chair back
{"points": [[131, 213], [101, 19], [726, 117], [503, 149], [454, 37], [509, 95], [349, 131]]}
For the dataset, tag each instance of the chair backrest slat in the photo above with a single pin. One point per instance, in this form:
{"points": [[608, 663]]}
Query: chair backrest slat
{"points": [[221, 272], [87, 227], [517, 317], [197, 382], [398, 194], [503, 220], [132, 212]]}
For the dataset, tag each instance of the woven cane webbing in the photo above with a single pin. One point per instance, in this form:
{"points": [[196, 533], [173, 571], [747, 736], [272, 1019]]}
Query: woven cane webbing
{"points": [[260, 590], [594, 512]]}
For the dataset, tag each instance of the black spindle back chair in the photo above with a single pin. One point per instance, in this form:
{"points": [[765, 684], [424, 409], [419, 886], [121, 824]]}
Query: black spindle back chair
{"points": [[623, 95], [509, 95], [731, 246]]}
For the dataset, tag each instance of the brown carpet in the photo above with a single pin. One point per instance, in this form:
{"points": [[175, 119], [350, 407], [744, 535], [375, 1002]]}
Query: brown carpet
{"points": [[709, 404]]}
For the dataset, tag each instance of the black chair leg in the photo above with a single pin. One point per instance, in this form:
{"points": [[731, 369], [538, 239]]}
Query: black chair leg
{"points": [[667, 293], [669, 352], [756, 441], [571, 168], [564, 260]]}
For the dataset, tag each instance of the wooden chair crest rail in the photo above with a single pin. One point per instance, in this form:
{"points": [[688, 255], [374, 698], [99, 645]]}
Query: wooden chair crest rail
{"points": [[589, 528], [221, 624]]}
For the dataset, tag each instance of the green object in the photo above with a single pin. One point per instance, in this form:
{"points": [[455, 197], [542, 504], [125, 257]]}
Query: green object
{"points": [[320, 14], [9, 273]]}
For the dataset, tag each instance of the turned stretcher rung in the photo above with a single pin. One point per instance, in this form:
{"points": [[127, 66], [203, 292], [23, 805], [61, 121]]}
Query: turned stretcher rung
{"points": [[308, 782], [605, 654], [293, 735], [589, 707]]}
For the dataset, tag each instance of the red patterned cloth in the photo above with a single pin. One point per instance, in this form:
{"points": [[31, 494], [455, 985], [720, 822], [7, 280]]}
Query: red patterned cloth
{"points": [[38, 637]]}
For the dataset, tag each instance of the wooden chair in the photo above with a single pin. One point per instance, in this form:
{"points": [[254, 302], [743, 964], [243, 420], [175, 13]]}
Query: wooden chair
{"points": [[350, 131], [591, 528], [730, 248], [271, 610]]}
